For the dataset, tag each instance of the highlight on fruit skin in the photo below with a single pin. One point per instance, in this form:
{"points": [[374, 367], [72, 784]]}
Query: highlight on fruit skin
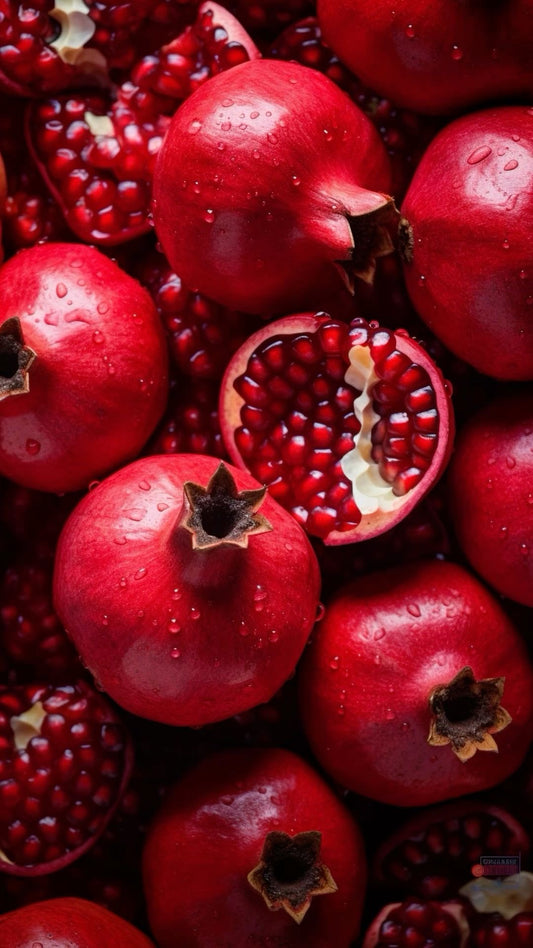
{"points": [[70, 921], [349, 426]]}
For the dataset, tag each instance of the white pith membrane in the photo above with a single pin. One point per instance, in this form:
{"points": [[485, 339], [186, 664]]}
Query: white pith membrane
{"points": [[371, 492], [24, 727], [508, 896], [99, 124], [77, 28]]}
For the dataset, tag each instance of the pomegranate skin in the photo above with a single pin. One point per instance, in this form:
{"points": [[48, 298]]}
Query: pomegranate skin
{"points": [[435, 58], [98, 384], [271, 230], [208, 836], [68, 923], [467, 258], [491, 494], [180, 635], [387, 640]]}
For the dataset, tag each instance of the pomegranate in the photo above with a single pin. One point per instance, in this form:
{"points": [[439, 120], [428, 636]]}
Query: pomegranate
{"points": [[186, 603], [433, 853], [436, 58], [491, 494], [266, 209], [469, 211], [416, 686], [246, 831], [419, 923], [83, 367], [65, 761], [349, 426], [502, 911], [71, 923]]}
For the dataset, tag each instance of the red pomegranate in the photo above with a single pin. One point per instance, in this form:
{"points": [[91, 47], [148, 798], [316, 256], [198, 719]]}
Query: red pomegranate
{"points": [[416, 686], [348, 425], [83, 367], [253, 847], [186, 602], [69, 923], [491, 493], [466, 238], [435, 58], [267, 208], [419, 923]]}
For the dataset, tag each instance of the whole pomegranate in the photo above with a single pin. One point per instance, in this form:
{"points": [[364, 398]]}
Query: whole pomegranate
{"points": [[69, 923], [416, 686], [186, 602], [491, 493], [466, 240], [437, 57], [83, 367], [253, 847], [267, 208]]}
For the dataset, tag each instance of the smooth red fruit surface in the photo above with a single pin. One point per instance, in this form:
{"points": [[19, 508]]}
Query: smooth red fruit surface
{"points": [[83, 367], [266, 209], [437, 58], [491, 494], [432, 855], [182, 613], [65, 760], [466, 232], [209, 836], [68, 923], [417, 923], [348, 425], [400, 690]]}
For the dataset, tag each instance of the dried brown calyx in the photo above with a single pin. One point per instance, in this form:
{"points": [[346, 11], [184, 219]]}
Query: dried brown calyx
{"points": [[15, 359], [291, 872], [466, 713], [221, 514]]}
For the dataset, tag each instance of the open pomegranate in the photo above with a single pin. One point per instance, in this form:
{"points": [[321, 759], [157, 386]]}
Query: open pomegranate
{"points": [[348, 426], [187, 602], [419, 923], [252, 847], [416, 687], [266, 209]]}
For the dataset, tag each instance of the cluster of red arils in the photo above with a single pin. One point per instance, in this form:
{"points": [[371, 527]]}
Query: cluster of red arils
{"points": [[266, 474]]}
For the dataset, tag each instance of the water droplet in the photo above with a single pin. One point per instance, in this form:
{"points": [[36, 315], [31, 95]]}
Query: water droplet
{"points": [[524, 549], [328, 134], [120, 541], [227, 103], [511, 165], [256, 154], [405, 725], [175, 653], [226, 126], [295, 180], [111, 369], [273, 636], [51, 319], [195, 127], [510, 462], [421, 280], [176, 594], [410, 31], [161, 506], [135, 513], [341, 710], [414, 610], [221, 146], [379, 634], [141, 573], [530, 498], [195, 613], [196, 187], [33, 447], [105, 620], [61, 290], [504, 532], [320, 612], [506, 244], [140, 614], [490, 483], [334, 663], [145, 485], [273, 139], [390, 715], [123, 582], [209, 215], [479, 154], [227, 800], [98, 337], [243, 630], [457, 53], [173, 625]]}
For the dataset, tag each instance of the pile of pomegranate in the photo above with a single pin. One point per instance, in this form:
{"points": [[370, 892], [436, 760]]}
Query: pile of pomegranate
{"points": [[266, 474]]}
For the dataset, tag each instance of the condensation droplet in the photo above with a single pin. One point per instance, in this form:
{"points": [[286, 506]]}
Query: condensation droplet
{"points": [[51, 319], [524, 549], [173, 625], [98, 337], [61, 290], [195, 127], [511, 165], [272, 138], [379, 634], [102, 308], [341, 710], [510, 462], [209, 215], [243, 630], [141, 573], [136, 514], [414, 610], [176, 594], [273, 636], [227, 103], [105, 620], [295, 180], [120, 541], [479, 154], [334, 663], [175, 653], [123, 582], [256, 154], [506, 244], [33, 447], [457, 53], [161, 506], [390, 715], [504, 532], [195, 613], [410, 31], [320, 612]]}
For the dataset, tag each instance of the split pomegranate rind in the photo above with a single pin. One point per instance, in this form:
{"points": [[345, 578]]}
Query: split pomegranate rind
{"points": [[347, 425]]}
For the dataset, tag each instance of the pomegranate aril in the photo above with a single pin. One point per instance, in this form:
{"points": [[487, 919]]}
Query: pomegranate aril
{"points": [[406, 480], [393, 366], [421, 399]]}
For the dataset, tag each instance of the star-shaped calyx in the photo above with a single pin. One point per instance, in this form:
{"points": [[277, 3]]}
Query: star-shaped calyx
{"points": [[290, 872], [466, 713], [221, 514], [15, 359]]}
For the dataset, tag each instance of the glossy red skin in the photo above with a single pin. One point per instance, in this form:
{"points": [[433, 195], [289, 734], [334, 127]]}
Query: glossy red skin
{"points": [[209, 835], [491, 494], [472, 220], [370, 525], [372, 663], [435, 58], [68, 923], [265, 233], [94, 399], [233, 651]]}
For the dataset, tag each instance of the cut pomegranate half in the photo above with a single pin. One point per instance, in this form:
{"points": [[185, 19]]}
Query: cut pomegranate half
{"points": [[348, 426]]}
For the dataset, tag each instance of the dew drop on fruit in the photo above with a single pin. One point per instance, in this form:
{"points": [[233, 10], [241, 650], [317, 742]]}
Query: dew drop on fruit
{"points": [[457, 53], [141, 573], [195, 613], [511, 165], [195, 127], [105, 620], [61, 290], [136, 514], [479, 154], [506, 244], [243, 630], [341, 710], [414, 610], [379, 634], [161, 506], [120, 541], [334, 663], [98, 337], [320, 612], [390, 714], [410, 31], [273, 636], [33, 447], [524, 549], [209, 215], [145, 485], [175, 653], [510, 462], [51, 319], [504, 532]]}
